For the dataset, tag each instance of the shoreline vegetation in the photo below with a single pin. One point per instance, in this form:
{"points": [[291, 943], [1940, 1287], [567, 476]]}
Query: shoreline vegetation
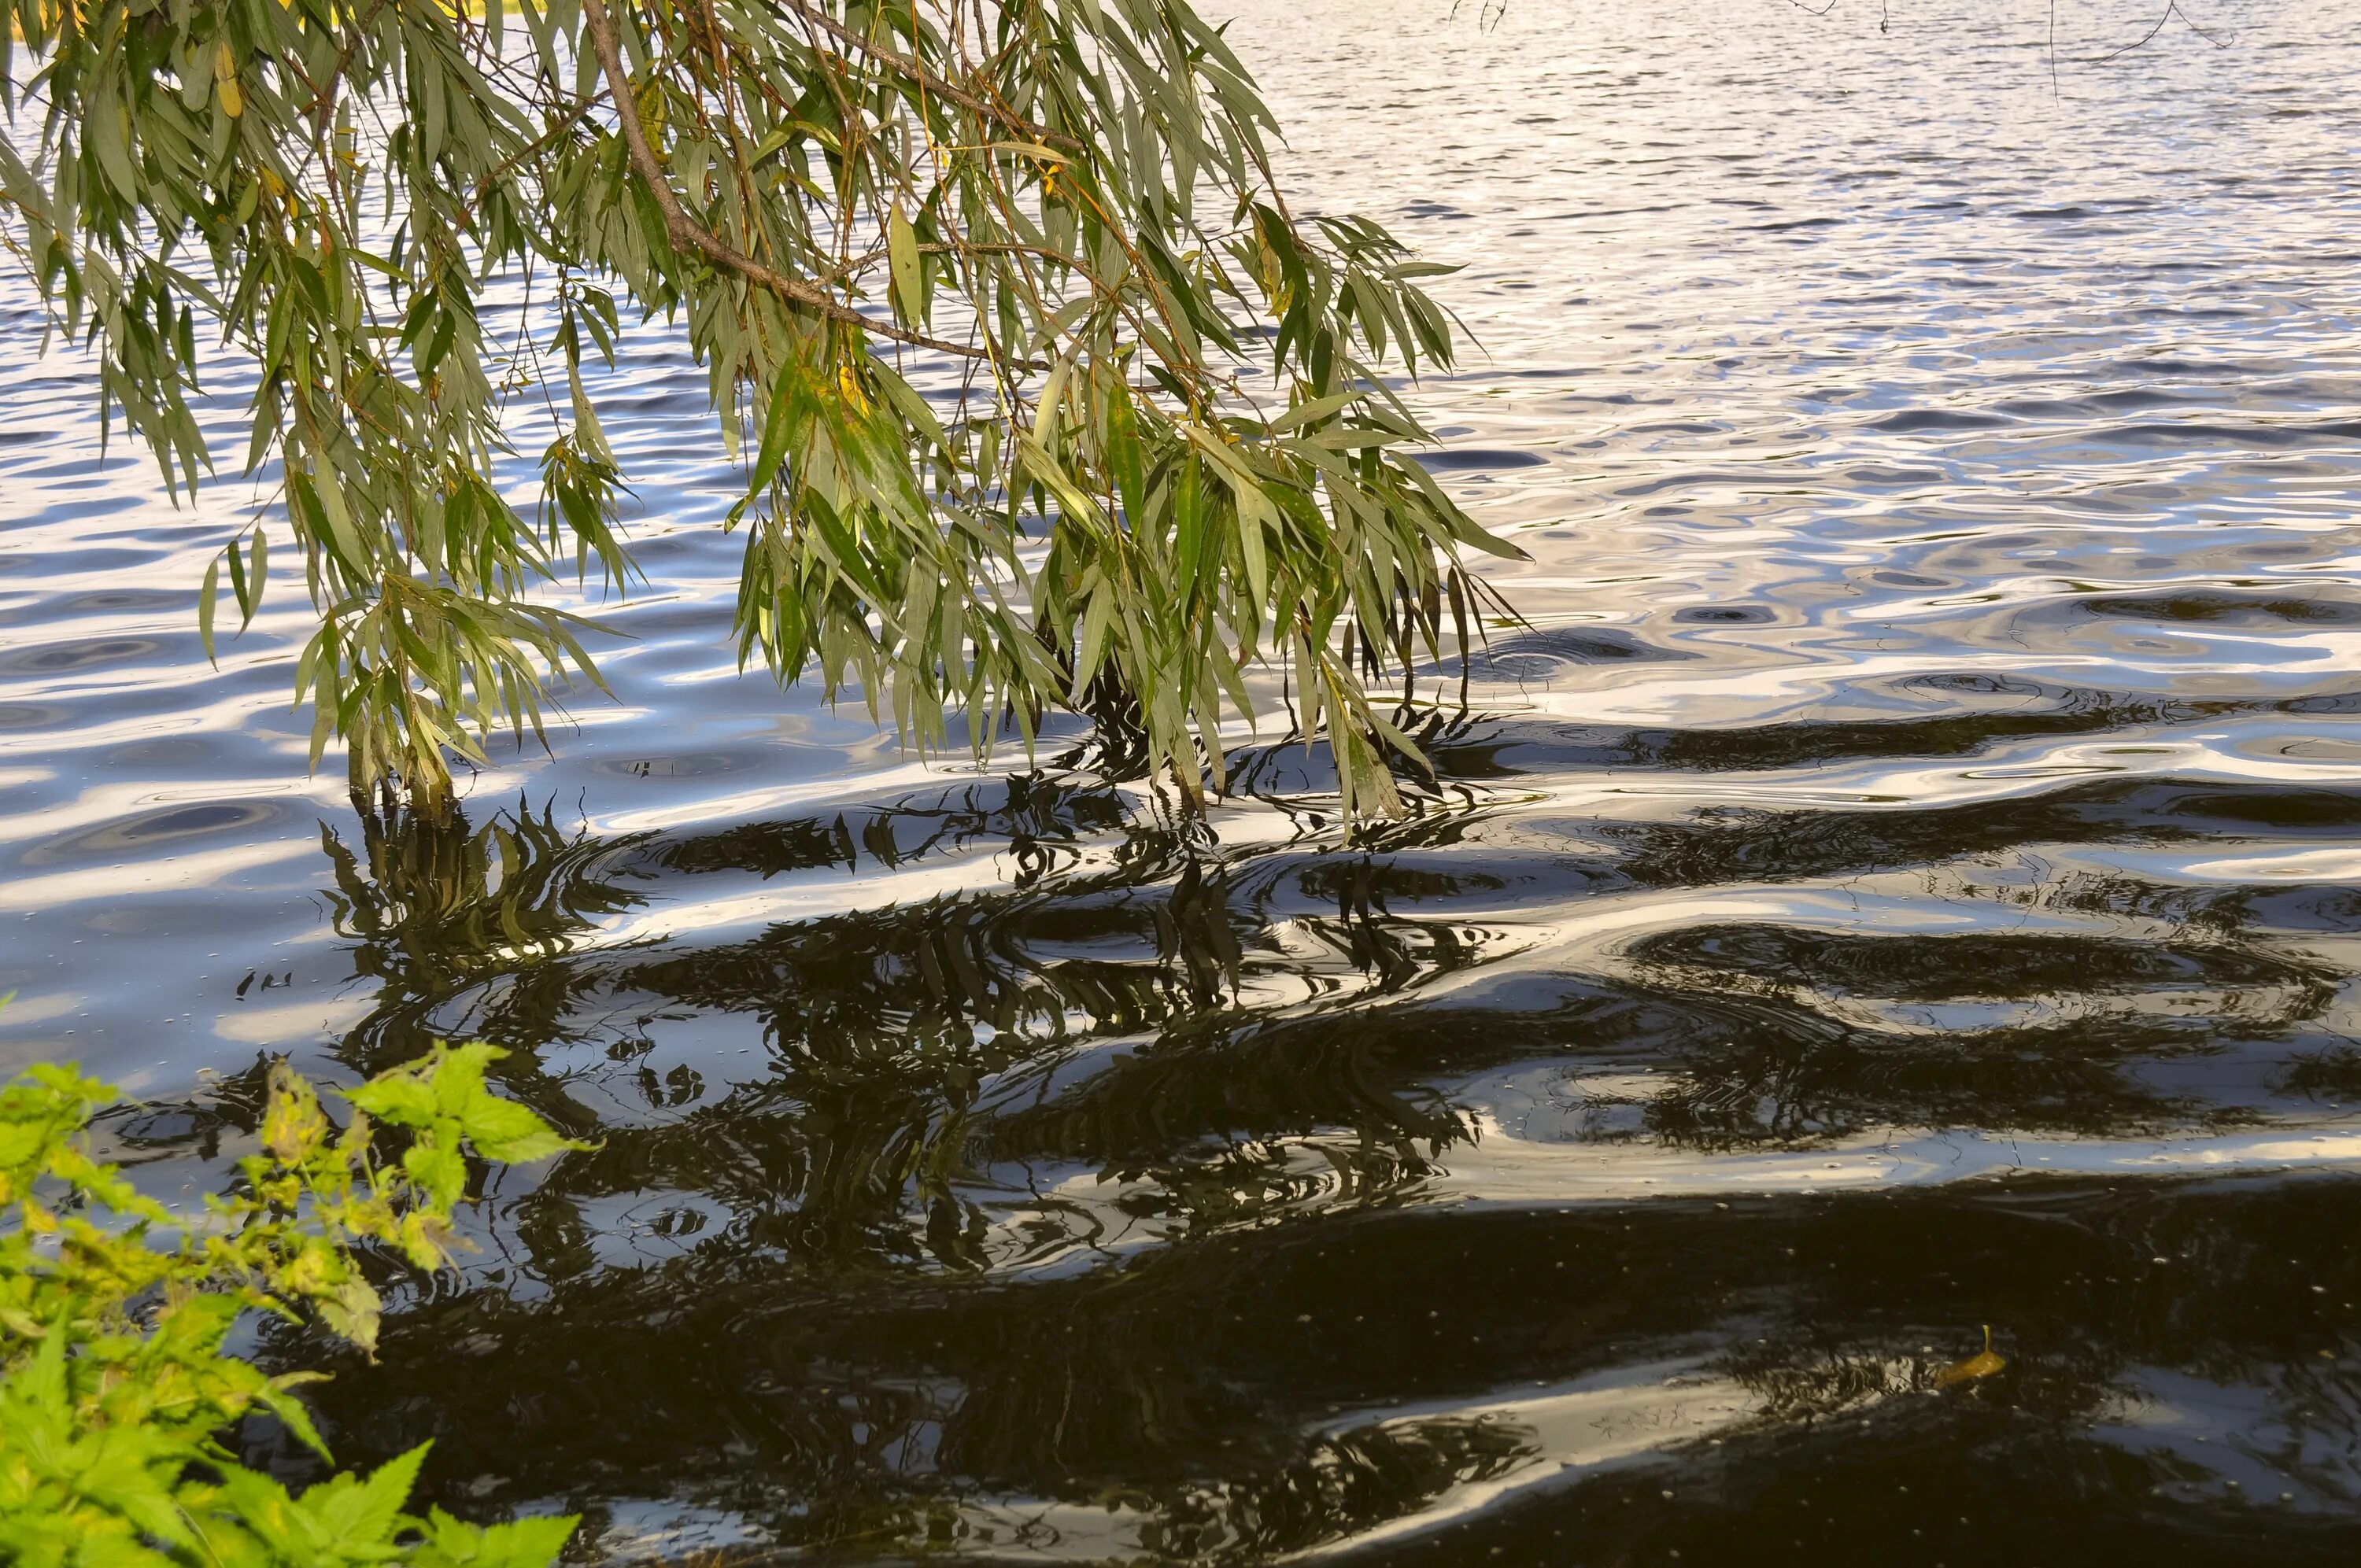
{"points": [[1044, 398], [120, 1393]]}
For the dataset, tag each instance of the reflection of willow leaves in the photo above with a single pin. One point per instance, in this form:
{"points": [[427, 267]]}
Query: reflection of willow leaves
{"points": [[1340, 1486], [887, 1024], [1234, 1032], [1035, 821], [1482, 747], [445, 897], [1200, 1386], [2332, 1073], [1719, 844], [840, 987], [1792, 1081], [1802, 1381], [1817, 1034], [913, 1045], [1145, 932], [435, 909], [1799, 1382]]}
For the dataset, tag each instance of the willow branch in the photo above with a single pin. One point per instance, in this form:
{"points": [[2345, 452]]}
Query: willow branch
{"points": [[687, 234], [939, 86]]}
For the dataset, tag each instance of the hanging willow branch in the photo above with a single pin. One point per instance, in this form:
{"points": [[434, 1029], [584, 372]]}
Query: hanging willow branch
{"points": [[687, 234], [1056, 213]]}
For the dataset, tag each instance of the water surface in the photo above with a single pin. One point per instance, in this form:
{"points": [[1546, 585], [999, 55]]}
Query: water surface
{"points": [[1905, 882]]}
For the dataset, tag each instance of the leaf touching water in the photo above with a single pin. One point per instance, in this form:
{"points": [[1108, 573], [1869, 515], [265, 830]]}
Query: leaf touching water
{"points": [[1981, 1364]]}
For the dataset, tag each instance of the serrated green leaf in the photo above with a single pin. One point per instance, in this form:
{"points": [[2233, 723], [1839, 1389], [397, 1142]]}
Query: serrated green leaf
{"points": [[521, 1543], [360, 1516], [397, 1100], [438, 1169], [514, 1133]]}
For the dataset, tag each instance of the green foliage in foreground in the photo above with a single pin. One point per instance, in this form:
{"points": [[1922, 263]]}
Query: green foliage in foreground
{"points": [[1061, 210], [115, 1389]]}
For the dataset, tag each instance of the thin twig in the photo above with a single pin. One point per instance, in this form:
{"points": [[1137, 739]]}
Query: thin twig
{"points": [[687, 234], [926, 79], [2055, 95], [2172, 9]]}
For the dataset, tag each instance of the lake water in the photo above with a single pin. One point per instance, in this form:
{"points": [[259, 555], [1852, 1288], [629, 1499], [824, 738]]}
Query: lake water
{"points": [[1906, 881]]}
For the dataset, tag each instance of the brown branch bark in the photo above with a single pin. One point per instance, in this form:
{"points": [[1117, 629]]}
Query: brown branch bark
{"points": [[687, 234]]}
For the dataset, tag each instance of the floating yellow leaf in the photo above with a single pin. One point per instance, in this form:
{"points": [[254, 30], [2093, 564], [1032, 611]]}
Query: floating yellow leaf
{"points": [[1982, 1365]]}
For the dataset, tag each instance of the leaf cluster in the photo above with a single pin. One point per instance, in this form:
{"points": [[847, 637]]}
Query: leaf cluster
{"points": [[116, 1388], [1046, 398]]}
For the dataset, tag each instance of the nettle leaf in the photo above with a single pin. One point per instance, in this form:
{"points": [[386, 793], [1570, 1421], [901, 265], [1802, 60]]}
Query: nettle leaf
{"points": [[109, 1415], [358, 1517], [523, 1543], [293, 1123], [353, 1311], [455, 1074], [397, 1100], [438, 1168], [505, 1131]]}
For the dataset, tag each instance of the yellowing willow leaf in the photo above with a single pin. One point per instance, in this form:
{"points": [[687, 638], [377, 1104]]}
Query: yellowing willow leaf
{"points": [[233, 101]]}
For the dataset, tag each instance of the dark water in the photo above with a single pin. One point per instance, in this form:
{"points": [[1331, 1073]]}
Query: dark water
{"points": [[1908, 881]]}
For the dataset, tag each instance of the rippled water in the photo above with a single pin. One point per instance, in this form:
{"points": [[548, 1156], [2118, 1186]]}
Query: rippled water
{"points": [[1905, 881]]}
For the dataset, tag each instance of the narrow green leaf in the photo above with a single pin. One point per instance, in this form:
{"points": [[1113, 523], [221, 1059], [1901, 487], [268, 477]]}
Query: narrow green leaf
{"points": [[907, 268], [237, 578], [258, 572], [206, 596]]}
